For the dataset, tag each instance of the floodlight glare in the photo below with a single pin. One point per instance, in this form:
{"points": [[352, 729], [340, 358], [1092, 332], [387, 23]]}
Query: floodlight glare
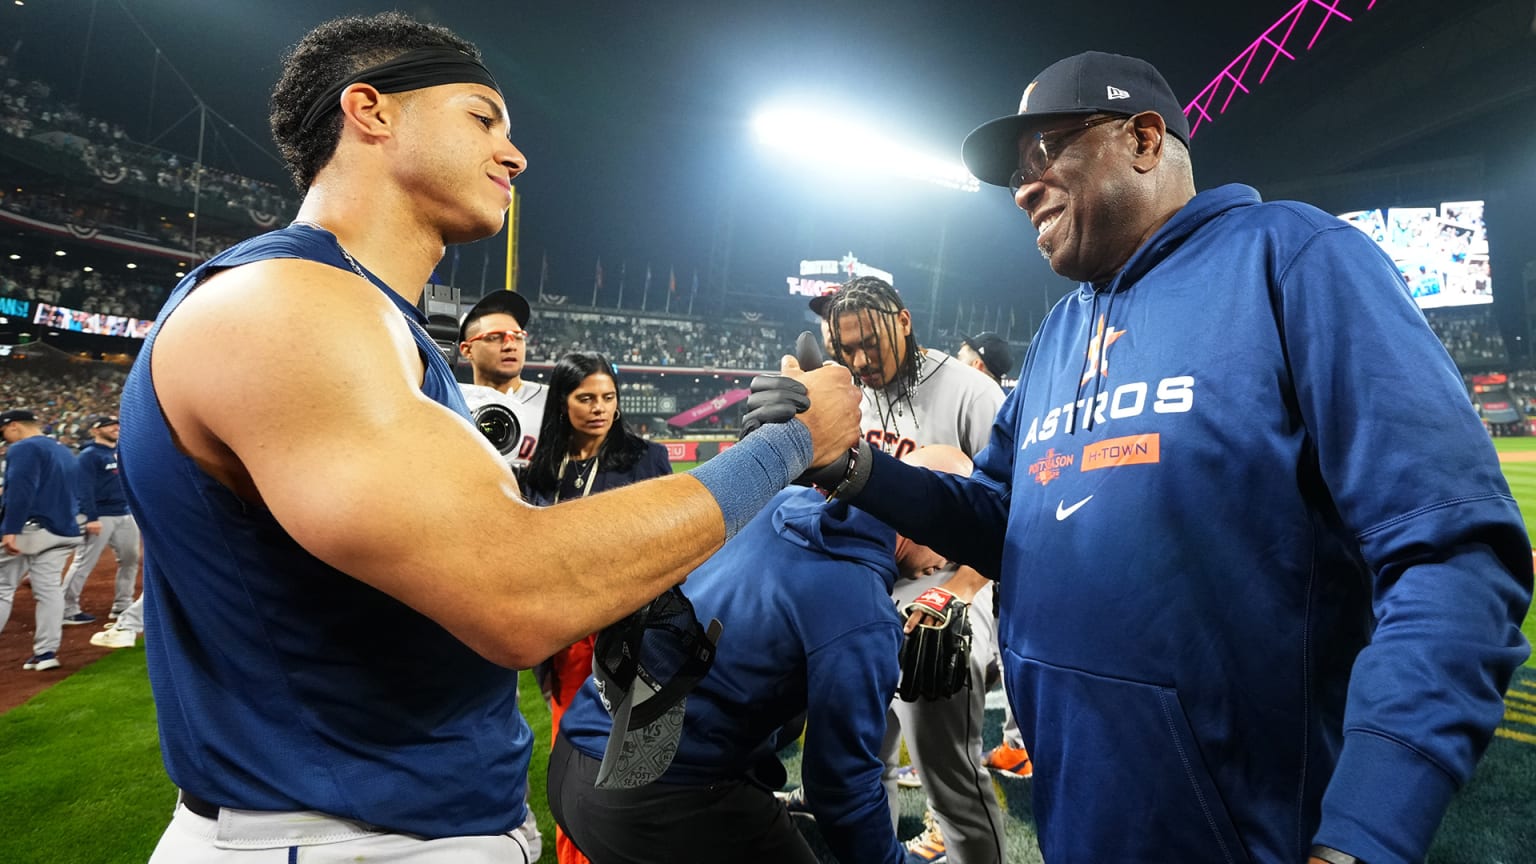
{"points": [[834, 142]]}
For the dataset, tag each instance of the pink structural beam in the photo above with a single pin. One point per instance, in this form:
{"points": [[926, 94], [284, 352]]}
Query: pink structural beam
{"points": [[1305, 20]]}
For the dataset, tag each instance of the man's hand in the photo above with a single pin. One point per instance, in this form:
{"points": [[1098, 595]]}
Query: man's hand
{"points": [[8, 543], [93, 528], [833, 417], [963, 584]]}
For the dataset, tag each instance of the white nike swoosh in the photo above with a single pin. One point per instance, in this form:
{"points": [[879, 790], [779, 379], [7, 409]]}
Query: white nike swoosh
{"points": [[1063, 512]]}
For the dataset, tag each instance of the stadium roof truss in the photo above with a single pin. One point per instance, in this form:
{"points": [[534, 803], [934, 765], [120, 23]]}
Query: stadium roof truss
{"points": [[1306, 20]]}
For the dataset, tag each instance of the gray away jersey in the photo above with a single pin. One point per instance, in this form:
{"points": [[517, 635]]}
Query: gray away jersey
{"points": [[951, 404]]}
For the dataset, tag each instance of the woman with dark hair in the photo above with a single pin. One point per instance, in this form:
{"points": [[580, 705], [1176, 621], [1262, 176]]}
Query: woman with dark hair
{"points": [[584, 447]]}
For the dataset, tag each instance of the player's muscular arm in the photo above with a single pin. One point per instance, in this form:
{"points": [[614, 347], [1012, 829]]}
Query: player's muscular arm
{"points": [[297, 385]]}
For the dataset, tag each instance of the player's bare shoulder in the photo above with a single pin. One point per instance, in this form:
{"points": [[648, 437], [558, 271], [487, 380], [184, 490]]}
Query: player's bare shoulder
{"points": [[267, 340]]}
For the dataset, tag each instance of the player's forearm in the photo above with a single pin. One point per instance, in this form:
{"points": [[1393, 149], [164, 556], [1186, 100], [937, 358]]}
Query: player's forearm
{"points": [[611, 554], [957, 516], [566, 571]]}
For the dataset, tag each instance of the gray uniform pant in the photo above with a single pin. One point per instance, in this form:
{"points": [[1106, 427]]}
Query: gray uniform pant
{"points": [[122, 534], [944, 740], [47, 571], [132, 618]]}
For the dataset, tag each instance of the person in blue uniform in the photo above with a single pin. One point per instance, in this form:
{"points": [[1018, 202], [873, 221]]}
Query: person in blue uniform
{"points": [[38, 528], [814, 632], [107, 523], [341, 573], [1261, 578]]}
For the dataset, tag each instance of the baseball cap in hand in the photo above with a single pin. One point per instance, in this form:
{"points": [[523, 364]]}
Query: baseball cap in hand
{"points": [[1089, 83], [644, 667]]}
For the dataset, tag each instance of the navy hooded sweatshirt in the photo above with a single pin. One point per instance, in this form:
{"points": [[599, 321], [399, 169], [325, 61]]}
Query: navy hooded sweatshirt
{"points": [[803, 595]]}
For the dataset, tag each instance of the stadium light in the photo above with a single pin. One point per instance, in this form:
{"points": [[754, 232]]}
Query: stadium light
{"points": [[828, 139]]}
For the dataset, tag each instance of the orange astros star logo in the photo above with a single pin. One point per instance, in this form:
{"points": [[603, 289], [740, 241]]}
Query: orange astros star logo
{"points": [[1098, 351]]}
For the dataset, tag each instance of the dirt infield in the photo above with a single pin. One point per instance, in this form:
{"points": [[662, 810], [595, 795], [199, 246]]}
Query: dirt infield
{"points": [[76, 651], [1527, 456]]}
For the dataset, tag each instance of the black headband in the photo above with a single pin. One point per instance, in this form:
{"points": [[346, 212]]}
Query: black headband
{"points": [[413, 70]]}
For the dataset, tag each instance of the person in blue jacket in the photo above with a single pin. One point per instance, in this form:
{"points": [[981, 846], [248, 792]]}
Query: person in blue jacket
{"points": [[107, 523], [814, 631], [1261, 579], [38, 529]]}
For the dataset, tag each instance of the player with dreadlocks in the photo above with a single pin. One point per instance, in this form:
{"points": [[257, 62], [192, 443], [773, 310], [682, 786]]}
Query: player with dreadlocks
{"points": [[914, 397]]}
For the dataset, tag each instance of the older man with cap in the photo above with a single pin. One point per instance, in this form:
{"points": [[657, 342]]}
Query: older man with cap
{"points": [[107, 523], [1261, 577], [38, 529], [493, 337]]}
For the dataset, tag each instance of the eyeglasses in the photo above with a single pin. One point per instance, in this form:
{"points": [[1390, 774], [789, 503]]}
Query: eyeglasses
{"points": [[1044, 148], [497, 337]]}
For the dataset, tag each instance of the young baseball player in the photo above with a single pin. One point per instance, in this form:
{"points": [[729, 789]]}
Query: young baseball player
{"points": [[912, 397]]}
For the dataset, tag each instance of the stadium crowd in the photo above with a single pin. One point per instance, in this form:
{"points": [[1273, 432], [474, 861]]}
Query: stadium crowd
{"points": [[60, 391], [29, 111], [637, 340], [1471, 336], [73, 288]]}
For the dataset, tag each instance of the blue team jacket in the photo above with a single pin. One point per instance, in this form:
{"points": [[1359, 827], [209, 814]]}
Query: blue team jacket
{"points": [[39, 486], [101, 489]]}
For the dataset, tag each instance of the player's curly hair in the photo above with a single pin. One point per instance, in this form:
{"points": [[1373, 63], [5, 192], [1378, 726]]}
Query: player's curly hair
{"points": [[328, 54], [876, 296], [620, 450]]}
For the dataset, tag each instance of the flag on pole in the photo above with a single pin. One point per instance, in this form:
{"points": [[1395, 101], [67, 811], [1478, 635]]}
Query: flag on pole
{"points": [[543, 274], [645, 296], [694, 291], [671, 287], [623, 269], [597, 281]]}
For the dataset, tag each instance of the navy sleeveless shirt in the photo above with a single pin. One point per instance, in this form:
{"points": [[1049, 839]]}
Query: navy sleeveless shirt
{"points": [[281, 683]]}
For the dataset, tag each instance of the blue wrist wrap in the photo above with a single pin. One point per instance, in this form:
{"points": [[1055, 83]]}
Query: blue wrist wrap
{"points": [[745, 477]]}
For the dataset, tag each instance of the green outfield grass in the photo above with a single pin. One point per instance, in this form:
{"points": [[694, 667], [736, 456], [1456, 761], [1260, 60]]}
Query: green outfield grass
{"points": [[1522, 483], [83, 782]]}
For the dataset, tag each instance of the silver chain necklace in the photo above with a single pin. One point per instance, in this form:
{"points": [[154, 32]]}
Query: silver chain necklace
{"points": [[357, 268]]}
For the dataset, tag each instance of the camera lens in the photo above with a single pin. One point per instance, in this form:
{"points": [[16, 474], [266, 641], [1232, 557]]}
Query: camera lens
{"points": [[499, 426]]}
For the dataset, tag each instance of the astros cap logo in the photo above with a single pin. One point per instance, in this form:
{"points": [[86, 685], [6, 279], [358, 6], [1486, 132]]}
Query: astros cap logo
{"points": [[1024, 100]]}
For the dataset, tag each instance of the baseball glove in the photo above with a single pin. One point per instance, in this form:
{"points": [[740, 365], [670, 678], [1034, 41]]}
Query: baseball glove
{"points": [[935, 658]]}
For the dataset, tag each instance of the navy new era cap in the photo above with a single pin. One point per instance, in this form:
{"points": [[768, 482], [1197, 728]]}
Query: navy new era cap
{"points": [[994, 353], [644, 667], [17, 415], [1089, 83], [510, 302]]}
